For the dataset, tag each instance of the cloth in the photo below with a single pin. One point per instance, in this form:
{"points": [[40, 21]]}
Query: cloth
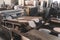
{"points": [[32, 24]]}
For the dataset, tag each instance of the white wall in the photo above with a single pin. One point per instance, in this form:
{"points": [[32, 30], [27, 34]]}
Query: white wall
{"points": [[8, 2], [56, 0], [21, 2], [1, 1]]}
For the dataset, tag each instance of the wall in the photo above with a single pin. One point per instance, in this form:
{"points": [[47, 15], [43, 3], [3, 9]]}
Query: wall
{"points": [[8, 2], [21, 2], [1, 1], [57, 1], [45, 0]]}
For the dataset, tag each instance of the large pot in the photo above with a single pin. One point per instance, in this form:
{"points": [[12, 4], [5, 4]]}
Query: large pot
{"points": [[4, 34]]}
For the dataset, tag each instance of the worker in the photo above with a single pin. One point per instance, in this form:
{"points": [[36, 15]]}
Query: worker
{"points": [[53, 9]]}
